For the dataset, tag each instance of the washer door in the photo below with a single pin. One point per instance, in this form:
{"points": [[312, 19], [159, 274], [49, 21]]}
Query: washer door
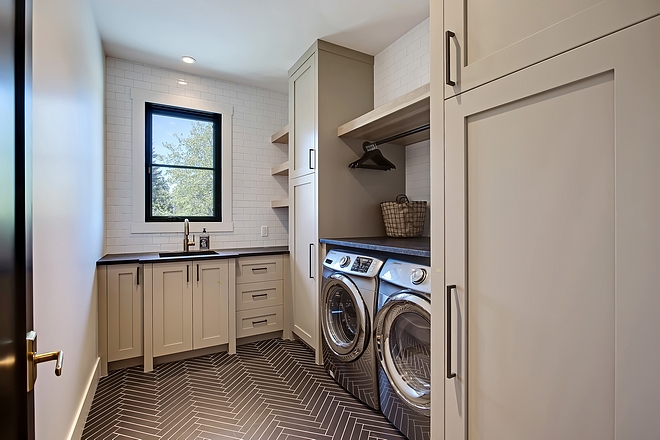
{"points": [[344, 320], [403, 341]]}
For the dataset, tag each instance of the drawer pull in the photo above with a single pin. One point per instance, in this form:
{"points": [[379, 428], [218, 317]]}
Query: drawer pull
{"points": [[263, 321], [260, 295], [259, 269]]}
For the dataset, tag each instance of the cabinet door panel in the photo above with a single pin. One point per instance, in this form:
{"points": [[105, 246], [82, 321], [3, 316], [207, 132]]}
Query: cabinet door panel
{"points": [[211, 304], [302, 119], [547, 183], [172, 308], [493, 39], [304, 243], [124, 313]]}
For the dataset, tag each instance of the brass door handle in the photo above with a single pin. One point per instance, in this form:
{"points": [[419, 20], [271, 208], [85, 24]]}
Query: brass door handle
{"points": [[34, 358]]}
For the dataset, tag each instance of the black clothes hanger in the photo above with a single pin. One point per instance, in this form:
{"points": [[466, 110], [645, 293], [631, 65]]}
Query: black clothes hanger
{"points": [[372, 153]]}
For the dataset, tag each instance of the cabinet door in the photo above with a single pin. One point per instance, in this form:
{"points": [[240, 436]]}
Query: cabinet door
{"points": [[304, 243], [552, 214], [495, 38], [172, 308], [124, 296], [302, 117], [210, 303]]}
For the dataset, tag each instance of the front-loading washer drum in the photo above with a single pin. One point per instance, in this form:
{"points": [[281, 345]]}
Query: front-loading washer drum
{"points": [[344, 319], [403, 342]]}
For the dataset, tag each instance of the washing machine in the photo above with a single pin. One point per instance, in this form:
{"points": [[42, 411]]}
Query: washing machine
{"points": [[348, 301], [403, 346]]}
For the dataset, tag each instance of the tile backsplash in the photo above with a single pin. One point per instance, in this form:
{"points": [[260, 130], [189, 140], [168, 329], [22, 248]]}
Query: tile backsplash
{"points": [[258, 113]]}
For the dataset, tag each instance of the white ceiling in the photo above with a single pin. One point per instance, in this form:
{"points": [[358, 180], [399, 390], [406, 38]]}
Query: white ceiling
{"points": [[251, 42]]}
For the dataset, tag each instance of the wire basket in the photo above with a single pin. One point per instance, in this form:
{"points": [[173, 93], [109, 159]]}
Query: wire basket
{"points": [[403, 218]]}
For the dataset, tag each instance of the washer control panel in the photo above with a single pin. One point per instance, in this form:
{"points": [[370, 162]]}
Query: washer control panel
{"points": [[407, 275], [352, 264]]}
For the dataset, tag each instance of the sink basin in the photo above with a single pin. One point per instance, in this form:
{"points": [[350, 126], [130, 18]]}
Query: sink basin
{"points": [[186, 254]]}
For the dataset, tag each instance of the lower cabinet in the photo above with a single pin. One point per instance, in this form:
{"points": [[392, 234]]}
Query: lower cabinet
{"points": [[259, 295], [190, 305], [120, 306]]}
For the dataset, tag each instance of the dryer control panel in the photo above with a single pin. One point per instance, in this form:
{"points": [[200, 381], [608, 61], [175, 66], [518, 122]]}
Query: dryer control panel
{"points": [[354, 264]]}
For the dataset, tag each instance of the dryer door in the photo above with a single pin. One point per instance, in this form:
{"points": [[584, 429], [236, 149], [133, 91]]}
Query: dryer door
{"points": [[403, 341], [344, 319]]}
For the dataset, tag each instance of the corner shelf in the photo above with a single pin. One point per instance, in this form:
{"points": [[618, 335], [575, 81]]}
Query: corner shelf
{"points": [[281, 137], [409, 111], [282, 203]]}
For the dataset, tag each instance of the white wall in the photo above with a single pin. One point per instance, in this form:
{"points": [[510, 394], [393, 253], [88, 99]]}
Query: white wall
{"points": [[258, 113], [68, 204], [400, 68]]}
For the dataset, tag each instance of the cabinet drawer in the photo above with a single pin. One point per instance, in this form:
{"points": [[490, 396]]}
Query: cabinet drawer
{"points": [[256, 295], [254, 269], [258, 321]]}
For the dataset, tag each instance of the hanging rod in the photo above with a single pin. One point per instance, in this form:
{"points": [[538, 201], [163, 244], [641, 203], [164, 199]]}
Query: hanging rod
{"points": [[397, 136]]}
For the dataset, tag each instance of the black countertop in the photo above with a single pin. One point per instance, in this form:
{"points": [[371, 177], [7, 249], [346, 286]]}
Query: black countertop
{"points": [[414, 246], [153, 257]]}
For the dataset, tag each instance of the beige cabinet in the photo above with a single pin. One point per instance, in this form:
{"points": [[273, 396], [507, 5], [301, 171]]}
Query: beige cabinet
{"points": [[260, 287], [211, 303], [304, 245], [487, 39], [328, 86], [552, 194], [190, 305], [172, 308], [120, 313], [303, 117]]}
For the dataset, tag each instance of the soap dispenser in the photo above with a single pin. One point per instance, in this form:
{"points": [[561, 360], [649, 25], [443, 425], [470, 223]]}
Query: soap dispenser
{"points": [[204, 240]]}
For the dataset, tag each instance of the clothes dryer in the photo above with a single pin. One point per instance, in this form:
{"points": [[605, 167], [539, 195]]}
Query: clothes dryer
{"points": [[403, 344], [348, 302]]}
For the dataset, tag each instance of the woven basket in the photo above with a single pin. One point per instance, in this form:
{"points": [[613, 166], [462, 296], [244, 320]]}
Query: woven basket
{"points": [[403, 218]]}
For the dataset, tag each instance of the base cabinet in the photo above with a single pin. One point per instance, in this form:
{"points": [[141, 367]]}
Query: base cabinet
{"points": [[190, 305], [259, 295]]}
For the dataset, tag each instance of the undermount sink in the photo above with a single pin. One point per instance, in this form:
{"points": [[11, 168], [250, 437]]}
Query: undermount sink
{"points": [[185, 254]]}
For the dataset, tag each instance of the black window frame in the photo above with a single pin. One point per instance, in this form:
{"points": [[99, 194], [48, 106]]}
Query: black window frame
{"points": [[192, 114]]}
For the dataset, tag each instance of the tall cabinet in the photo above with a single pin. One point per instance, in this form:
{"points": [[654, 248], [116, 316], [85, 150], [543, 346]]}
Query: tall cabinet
{"points": [[328, 86], [551, 196]]}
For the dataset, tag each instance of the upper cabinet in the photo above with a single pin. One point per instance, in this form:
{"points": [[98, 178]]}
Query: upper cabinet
{"points": [[485, 40], [302, 145]]}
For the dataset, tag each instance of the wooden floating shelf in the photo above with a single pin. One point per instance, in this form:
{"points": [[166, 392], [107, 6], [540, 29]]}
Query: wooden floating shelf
{"points": [[409, 111], [281, 137], [283, 203], [281, 169]]}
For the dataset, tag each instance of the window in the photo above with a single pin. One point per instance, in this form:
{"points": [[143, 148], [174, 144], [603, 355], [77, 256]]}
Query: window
{"points": [[154, 204], [182, 176]]}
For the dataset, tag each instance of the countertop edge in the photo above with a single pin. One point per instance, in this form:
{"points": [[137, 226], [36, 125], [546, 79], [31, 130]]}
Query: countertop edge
{"points": [[152, 257], [357, 244]]}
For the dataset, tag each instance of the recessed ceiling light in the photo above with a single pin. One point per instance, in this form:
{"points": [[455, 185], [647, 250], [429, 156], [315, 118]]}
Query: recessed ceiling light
{"points": [[187, 59], [183, 82]]}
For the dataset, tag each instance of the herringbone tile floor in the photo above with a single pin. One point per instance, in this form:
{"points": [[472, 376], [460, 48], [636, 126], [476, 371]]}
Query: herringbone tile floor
{"points": [[268, 390]]}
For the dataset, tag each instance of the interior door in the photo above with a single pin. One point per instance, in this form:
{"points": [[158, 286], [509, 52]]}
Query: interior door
{"points": [[552, 214], [16, 404], [492, 39]]}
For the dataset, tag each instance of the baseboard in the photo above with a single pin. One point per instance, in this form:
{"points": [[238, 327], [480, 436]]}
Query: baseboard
{"points": [[86, 404]]}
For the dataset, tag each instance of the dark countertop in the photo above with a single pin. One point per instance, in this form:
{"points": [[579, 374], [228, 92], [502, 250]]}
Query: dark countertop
{"points": [[415, 246], [153, 257]]}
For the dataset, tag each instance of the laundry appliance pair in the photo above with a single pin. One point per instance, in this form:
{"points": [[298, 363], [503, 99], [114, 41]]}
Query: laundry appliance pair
{"points": [[375, 318]]}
